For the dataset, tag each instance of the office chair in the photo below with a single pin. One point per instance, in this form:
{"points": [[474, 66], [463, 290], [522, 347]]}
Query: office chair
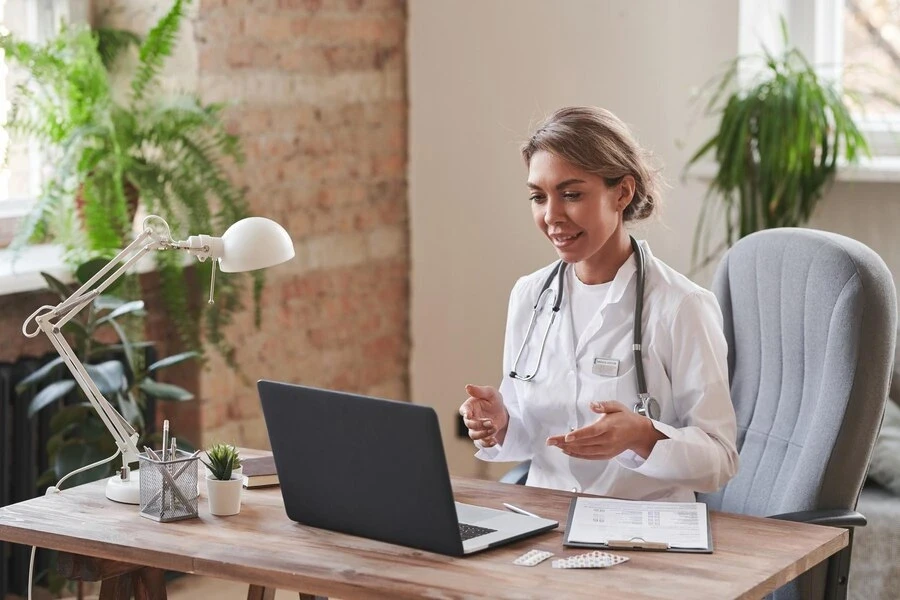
{"points": [[810, 319]]}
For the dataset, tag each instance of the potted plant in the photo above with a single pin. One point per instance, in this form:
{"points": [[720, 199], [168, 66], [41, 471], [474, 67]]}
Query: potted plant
{"points": [[170, 154], [777, 146], [106, 338], [223, 485]]}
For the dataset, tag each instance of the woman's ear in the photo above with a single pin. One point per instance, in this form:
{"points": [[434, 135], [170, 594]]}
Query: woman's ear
{"points": [[626, 191]]}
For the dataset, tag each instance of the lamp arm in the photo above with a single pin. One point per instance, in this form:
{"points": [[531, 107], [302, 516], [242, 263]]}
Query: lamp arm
{"points": [[123, 433], [51, 319]]}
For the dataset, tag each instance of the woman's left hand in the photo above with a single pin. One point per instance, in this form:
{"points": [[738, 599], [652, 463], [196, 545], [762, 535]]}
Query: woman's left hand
{"points": [[616, 430]]}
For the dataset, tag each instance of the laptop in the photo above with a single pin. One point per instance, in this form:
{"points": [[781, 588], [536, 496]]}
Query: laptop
{"points": [[376, 469]]}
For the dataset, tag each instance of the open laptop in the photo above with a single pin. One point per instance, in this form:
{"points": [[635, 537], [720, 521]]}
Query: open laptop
{"points": [[376, 468]]}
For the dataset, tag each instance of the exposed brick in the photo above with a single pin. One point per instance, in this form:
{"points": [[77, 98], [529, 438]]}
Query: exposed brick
{"points": [[317, 92]]}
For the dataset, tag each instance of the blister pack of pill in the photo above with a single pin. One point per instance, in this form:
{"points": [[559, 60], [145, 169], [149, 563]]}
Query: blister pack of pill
{"points": [[532, 557], [591, 560]]}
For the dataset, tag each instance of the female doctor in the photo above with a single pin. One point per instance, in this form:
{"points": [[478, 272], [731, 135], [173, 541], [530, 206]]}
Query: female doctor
{"points": [[569, 400]]}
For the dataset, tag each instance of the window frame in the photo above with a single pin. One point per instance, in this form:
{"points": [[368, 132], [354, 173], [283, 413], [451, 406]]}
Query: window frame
{"points": [[820, 24], [42, 17], [816, 27]]}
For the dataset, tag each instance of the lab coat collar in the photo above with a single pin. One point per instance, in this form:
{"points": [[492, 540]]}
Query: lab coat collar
{"points": [[626, 273], [620, 284]]}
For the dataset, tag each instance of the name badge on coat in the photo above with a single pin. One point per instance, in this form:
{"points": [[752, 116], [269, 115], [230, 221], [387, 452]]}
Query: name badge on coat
{"points": [[605, 367]]}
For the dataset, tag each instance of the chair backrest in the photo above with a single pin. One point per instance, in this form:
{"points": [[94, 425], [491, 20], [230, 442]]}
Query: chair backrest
{"points": [[810, 318]]}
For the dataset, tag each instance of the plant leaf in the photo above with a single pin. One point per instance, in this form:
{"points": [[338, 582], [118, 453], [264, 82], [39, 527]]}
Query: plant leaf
{"points": [[39, 375], [105, 302], [164, 391], [129, 307], [49, 395], [172, 360], [63, 290], [75, 454], [110, 377]]}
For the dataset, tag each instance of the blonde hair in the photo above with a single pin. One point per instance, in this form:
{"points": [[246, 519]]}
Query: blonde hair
{"points": [[598, 142]]}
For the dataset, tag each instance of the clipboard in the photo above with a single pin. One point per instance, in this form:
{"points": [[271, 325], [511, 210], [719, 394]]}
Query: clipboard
{"points": [[635, 543]]}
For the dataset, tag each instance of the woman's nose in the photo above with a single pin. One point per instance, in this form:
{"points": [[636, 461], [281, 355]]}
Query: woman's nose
{"points": [[554, 211]]}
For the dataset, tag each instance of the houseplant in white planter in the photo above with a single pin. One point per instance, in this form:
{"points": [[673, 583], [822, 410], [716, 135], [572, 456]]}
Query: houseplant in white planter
{"points": [[223, 485]]}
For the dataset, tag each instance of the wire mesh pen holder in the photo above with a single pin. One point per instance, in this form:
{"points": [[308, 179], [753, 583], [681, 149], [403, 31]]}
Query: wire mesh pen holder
{"points": [[169, 488]]}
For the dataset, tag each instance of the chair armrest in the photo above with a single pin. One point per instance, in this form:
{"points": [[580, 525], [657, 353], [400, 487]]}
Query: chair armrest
{"points": [[838, 517], [518, 474]]}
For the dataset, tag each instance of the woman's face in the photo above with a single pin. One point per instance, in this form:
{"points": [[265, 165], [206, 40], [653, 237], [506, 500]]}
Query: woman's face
{"points": [[576, 210]]}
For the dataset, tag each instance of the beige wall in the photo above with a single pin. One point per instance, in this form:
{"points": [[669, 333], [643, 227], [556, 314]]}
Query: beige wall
{"points": [[480, 74]]}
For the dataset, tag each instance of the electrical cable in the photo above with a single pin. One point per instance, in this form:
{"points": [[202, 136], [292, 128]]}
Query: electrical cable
{"points": [[54, 489]]}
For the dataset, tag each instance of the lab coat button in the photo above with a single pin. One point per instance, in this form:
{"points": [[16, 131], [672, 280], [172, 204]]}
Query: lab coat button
{"points": [[574, 490]]}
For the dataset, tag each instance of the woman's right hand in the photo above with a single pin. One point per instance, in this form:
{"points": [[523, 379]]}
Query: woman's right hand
{"points": [[484, 415]]}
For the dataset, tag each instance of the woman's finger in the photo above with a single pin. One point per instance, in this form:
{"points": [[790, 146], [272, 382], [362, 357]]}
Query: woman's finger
{"points": [[600, 455], [478, 424], [480, 434]]}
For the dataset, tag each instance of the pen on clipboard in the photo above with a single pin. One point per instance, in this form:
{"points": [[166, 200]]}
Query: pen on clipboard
{"points": [[521, 511], [636, 543]]}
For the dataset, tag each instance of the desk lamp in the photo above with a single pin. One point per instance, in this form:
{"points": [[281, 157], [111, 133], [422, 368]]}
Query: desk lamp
{"points": [[249, 244]]}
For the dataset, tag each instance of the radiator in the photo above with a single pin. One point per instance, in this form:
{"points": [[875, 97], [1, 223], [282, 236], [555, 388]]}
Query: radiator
{"points": [[23, 457]]}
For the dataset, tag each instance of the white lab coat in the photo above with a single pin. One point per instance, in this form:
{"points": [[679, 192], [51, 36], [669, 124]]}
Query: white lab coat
{"points": [[685, 364]]}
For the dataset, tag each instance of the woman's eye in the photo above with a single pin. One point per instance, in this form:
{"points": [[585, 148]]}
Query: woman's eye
{"points": [[536, 198], [572, 195]]}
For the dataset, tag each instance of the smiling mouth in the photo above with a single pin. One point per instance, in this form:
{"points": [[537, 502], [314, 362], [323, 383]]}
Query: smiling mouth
{"points": [[562, 241]]}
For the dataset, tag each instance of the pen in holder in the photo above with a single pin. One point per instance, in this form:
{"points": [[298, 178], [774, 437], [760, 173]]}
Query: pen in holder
{"points": [[168, 487]]}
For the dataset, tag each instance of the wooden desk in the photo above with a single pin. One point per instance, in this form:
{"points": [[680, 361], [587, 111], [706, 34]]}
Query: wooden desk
{"points": [[262, 547]]}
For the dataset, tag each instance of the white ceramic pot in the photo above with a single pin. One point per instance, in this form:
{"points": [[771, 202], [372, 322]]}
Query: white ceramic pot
{"points": [[224, 496]]}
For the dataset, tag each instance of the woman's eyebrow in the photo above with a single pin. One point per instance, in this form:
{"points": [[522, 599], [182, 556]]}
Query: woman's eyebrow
{"points": [[559, 186]]}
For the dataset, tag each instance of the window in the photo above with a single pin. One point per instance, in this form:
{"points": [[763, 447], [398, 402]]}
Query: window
{"points": [[856, 40], [20, 175], [871, 54]]}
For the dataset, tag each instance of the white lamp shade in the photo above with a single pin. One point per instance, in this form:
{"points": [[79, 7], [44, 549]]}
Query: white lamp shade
{"points": [[254, 243]]}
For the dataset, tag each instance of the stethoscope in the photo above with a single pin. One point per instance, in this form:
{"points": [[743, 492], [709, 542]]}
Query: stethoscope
{"points": [[646, 405]]}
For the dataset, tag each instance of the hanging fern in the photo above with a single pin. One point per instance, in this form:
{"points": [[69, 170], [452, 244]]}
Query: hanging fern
{"points": [[170, 152], [155, 49]]}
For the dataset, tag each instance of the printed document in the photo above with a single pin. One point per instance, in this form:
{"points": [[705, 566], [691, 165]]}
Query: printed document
{"points": [[605, 522]]}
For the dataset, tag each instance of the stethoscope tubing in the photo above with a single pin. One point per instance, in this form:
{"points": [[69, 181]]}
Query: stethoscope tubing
{"points": [[558, 273]]}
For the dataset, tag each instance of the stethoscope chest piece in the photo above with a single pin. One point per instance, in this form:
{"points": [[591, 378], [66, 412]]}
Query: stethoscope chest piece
{"points": [[647, 406]]}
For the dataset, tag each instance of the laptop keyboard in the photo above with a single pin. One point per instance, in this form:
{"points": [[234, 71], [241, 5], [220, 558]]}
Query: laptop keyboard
{"points": [[467, 532]]}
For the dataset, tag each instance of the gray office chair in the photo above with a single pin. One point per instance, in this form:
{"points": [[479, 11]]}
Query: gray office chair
{"points": [[810, 318]]}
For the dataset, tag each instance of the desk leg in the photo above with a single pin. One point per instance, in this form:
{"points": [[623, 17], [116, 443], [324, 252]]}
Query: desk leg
{"points": [[149, 584], [258, 592], [116, 588], [118, 580], [145, 583]]}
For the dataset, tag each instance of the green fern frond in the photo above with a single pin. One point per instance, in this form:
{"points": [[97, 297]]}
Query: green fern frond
{"points": [[157, 47], [113, 42]]}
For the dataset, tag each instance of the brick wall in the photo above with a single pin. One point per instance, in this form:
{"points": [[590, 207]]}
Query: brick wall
{"points": [[319, 98], [321, 106]]}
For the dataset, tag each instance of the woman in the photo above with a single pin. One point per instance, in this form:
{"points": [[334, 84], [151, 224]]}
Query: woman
{"points": [[570, 404]]}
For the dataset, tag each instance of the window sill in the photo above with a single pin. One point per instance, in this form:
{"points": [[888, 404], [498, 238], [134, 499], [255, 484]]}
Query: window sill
{"points": [[884, 169], [21, 272]]}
